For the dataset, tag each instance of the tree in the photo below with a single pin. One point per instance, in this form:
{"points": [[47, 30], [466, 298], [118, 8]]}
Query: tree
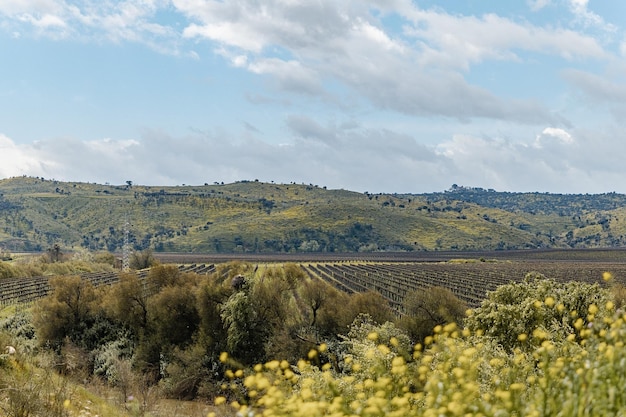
{"points": [[127, 302], [245, 334], [54, 253], [174, 315], [315, 294], [335, 315], [142, 259], [371, 303], [66, 312], [425, 309], [161, 276]]}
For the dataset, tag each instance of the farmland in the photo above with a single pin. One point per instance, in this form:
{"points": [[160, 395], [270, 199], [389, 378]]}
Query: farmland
{"points": [[26, 290], [468, 275]]}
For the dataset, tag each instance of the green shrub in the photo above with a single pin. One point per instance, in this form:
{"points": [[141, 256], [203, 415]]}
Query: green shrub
{"points": [[534, 305], [426, 308]]}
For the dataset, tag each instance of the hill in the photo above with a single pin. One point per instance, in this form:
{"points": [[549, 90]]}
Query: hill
{"points": [[252, 216]]}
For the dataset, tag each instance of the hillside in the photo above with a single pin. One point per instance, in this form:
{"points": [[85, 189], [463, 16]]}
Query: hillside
{"points": [[35, 214]]}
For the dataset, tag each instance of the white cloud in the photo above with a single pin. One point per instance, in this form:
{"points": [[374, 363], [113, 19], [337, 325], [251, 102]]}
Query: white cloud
{"points": [[337, 155], [414, 72], [44, 22], [416, 68], [116, 21], [551, 133], [17, 7], [19, 159], [588, 18], [536, 5], [460, 41]]}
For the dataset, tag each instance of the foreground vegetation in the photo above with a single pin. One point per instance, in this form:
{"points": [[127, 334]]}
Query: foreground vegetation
{"points": [[532, 349], [269, 340], [251, 216]]}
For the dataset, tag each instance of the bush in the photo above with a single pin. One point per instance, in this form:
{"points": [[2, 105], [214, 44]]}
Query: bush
{"points": [[66, 311], [7, 271], [456, 373], [142, 259], [535, 305], [425, 309]]}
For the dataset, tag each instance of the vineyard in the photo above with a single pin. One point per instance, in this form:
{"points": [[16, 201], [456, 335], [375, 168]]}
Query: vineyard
{"points": [[26, 290], [392, 277], [469, 281]]}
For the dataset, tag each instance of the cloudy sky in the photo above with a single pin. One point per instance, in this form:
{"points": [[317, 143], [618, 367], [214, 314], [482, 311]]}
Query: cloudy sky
{"points": [[366, 95]]}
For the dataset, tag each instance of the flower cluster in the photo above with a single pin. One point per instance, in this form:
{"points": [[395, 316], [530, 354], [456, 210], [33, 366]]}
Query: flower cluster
{"points": [[456, 372]]}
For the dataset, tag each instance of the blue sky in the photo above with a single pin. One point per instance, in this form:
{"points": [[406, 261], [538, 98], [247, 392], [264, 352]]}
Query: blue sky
{"points": [[368, 95]]}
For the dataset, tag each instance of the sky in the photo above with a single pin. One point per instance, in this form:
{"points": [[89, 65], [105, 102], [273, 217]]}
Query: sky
{"points": [[368, 95]]}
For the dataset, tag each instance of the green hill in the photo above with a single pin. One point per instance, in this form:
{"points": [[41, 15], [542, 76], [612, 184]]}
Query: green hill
{"points": [[261, 217]]}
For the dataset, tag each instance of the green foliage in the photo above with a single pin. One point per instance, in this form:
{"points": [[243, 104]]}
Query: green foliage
{"points": [[335, 315], [162, 276], [142, 259], [127, 303], [315, 295], [457, 373], [7, 270], [189, 371], [257, 217], [371, 303], [71, 314], [66, 311], [533, 307], [425, 309], [173, 314], [110, 360], [245, 333], [39, 266], [567, 357]]}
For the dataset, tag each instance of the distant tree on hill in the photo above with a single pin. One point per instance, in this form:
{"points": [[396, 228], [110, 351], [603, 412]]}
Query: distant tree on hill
{"points": [[54, 253]]}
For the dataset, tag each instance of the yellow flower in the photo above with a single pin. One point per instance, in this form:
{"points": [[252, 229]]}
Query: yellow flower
{"points": [[219, 400], [607, 276], [522, 337], [384, 349], [578, 324], [540, 334], [449, 328], [223, 357], [549, 301]]}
